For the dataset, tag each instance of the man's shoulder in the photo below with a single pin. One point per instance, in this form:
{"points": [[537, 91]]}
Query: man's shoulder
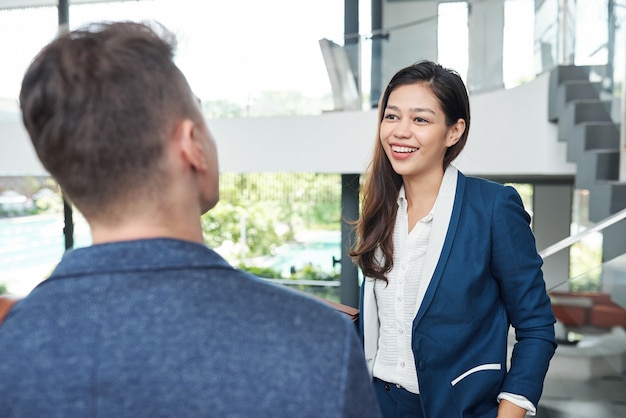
{"points": [[286, 299], [150, 254], [191, 279]]}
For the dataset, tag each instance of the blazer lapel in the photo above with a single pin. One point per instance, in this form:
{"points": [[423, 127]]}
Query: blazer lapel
{"points": [[444, 228]]}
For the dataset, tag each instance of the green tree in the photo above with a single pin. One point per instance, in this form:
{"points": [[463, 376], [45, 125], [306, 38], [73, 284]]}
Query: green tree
{"points": [[227, 224], [269, 208]]}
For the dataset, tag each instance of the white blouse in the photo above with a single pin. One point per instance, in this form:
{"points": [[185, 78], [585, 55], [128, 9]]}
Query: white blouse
{"points": [[397, 300]]}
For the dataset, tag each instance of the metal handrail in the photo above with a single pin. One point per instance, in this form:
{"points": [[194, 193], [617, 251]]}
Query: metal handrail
{"points": [[572, 239], [305, 282]]}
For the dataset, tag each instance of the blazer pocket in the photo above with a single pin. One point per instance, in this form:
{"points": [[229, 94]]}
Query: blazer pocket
{"points": [[488, 366]]}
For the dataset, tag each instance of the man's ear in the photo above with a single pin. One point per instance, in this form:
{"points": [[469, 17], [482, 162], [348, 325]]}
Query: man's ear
{"points": [[455, 132], [190, 147]]}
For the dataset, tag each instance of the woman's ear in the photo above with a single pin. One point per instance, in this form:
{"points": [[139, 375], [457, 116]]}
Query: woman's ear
{"points": [[455, 132]]}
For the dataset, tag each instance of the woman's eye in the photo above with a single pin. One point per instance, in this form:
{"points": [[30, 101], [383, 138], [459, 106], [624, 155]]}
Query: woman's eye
{"points": [[390, 116], [420, 120]]}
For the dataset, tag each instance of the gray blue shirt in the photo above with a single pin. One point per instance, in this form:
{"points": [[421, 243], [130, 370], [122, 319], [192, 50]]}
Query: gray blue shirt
{"points": [[167, 328]]}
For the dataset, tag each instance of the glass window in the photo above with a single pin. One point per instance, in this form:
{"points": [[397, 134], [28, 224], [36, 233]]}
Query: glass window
{"points": [[259, 58], [518, 64], [452, 37]]}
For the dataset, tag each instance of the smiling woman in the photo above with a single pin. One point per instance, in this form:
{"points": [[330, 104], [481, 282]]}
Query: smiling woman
{"points": [[435, 248], [411, 132]]}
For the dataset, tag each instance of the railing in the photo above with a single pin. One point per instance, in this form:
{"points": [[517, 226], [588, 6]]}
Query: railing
{"points": [[573, 239], [597, 311], [591, 333], [326, 289]]}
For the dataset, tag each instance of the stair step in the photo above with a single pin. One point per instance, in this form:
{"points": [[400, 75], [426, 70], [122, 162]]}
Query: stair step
{"points": [[605, 199], [596, 166], [570, 90], [592, 136], [579, 111], [583, 111], [614, 242], [563, 73]]}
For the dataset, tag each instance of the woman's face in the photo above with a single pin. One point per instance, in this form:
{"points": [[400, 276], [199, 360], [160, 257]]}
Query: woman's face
{"points": [[413, 131]]}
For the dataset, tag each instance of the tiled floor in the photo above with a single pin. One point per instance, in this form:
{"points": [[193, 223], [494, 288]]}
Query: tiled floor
{"points": [[596, 398]]}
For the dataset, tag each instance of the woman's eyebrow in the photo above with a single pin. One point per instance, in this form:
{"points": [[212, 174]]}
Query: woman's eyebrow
{"points": [[413, 109]]}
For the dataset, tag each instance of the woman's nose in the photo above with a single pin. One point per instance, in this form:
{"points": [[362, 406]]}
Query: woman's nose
{"points": [[402, 130]]}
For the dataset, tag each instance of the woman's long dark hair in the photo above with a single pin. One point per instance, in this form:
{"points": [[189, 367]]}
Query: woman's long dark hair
{"points": [[374, 228]]}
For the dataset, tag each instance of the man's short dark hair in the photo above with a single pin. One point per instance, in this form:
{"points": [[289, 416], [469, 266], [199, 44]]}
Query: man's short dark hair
{"points": [[98, 103]]}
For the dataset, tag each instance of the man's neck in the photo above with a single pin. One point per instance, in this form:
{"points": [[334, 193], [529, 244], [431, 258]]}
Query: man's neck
{"points": [[145, 228]]}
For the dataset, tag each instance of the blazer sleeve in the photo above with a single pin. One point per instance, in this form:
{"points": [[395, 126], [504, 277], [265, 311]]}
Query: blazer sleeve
{"points": [[516, 265]]}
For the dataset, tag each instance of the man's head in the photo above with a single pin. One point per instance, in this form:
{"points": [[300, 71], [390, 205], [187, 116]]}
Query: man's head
{"points": [[102, 104]]}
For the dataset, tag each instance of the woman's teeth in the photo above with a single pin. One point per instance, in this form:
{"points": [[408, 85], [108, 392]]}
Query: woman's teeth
{"points": [[403, 149]]}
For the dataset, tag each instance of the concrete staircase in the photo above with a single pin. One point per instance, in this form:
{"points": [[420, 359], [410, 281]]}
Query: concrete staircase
{"points": [[584, 113]]}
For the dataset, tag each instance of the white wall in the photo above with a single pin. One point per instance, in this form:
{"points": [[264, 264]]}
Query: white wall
{"points": [[510, 135], [17, 156]]}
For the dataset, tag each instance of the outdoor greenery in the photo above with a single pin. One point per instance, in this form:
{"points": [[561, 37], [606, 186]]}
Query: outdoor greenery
{"points": [[586, 255], [585, 268], [306, 273], [29, 195], [311, 273], [260, 212], [257, 213]]}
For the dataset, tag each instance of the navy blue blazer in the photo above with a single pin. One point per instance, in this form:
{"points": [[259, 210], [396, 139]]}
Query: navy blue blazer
{"points": [[487, 277]]}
